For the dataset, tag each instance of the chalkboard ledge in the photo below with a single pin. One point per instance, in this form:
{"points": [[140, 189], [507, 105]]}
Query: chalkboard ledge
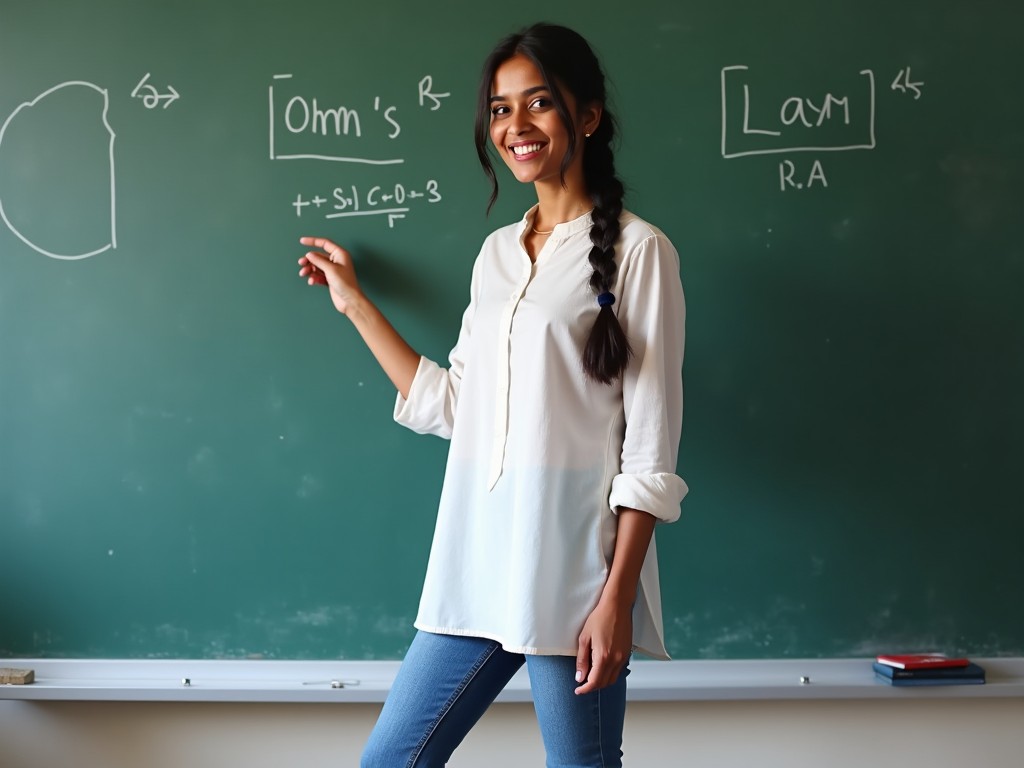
{"points": [[369, 681]]}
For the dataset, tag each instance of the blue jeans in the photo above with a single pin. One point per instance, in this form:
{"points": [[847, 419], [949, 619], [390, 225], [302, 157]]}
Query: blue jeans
{"points": [[447, 682]]}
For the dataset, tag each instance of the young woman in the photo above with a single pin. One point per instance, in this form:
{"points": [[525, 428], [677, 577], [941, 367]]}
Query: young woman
{"points": [[563, 403]]}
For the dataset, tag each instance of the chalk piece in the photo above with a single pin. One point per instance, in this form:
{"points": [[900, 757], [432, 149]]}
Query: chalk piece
{"points": [[10, 676]]}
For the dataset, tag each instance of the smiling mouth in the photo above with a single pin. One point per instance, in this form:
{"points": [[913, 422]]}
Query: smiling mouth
{"points": [[526, 149]]}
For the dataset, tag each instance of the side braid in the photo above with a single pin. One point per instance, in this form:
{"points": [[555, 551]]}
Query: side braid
{"points": [[607, 350]]}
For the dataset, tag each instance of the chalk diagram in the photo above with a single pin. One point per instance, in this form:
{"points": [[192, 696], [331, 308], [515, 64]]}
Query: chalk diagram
{"points": [[39, 142]]}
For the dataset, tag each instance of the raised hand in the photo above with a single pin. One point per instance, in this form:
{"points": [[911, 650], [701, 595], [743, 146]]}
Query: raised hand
{"points": [[332, 266]]}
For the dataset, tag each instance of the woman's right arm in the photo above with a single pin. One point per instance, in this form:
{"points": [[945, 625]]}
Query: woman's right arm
{"points": [[331, 265]]}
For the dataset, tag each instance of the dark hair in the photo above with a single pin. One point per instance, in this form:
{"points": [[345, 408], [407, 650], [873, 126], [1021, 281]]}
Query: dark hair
{"points": [[565, 59]]}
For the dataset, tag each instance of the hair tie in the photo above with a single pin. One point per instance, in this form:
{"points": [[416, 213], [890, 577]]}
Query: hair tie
{"points": [[606, 299]]}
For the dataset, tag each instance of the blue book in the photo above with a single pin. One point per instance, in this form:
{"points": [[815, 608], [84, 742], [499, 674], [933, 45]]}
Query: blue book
{"points": [[972, 674]]}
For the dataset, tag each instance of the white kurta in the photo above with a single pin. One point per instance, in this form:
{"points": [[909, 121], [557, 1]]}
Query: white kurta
{"points": [[540, 457]]}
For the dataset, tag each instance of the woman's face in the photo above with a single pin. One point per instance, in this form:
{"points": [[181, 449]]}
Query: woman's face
{"points": [[525, 127]]}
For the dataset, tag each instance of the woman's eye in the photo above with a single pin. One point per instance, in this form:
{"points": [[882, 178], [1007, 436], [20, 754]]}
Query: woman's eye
{"points": [[540, 103], [499, 110]]}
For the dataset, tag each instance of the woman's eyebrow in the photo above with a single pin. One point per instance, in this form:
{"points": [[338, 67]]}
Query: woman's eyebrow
{"points": [[527, 92]]}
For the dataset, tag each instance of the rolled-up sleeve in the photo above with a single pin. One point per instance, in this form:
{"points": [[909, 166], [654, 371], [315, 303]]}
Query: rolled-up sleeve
{"points": [[434, 394], [652, 312], [430, 407]]}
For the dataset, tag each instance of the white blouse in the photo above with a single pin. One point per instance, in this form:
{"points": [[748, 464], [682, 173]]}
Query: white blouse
{"points": [[541, 457]]}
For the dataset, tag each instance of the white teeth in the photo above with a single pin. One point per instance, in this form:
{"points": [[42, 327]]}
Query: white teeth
{"points": [[525, 149]]}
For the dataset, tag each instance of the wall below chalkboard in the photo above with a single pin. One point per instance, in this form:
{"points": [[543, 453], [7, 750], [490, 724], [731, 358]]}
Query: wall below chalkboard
{"points": [[197, 457]]}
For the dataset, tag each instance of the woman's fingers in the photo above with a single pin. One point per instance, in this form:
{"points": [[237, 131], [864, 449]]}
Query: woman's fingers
{"points": [[334, 251], [602, 673], [317, 242], [330, 265], [315, 264], [309, 270], [583, 660]]}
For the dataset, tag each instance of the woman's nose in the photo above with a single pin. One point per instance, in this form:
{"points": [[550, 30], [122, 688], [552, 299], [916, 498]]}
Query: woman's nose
{"points": [[520, 123]]}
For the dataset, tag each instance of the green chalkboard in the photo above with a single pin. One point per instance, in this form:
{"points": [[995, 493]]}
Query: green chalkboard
{"points": [[197, 455]]}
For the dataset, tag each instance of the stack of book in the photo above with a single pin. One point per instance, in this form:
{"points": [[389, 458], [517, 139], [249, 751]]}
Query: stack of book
{"points": [[927, 669]]}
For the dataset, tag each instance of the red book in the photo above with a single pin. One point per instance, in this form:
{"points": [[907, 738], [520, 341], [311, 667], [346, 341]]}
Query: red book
{"points": [[920, 661]]}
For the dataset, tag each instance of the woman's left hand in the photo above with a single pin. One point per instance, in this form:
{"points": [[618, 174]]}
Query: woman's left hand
{"points": [[604, 646]]}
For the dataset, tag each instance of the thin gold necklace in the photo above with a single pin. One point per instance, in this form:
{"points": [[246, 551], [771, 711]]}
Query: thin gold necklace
{"points": [[579, 212]]}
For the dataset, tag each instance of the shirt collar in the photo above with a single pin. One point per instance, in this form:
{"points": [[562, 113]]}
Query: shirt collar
{"points": [[561, 231]]}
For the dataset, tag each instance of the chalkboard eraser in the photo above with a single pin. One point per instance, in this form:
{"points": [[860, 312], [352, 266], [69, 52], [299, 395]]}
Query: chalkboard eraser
{"points": [[10, 676]]}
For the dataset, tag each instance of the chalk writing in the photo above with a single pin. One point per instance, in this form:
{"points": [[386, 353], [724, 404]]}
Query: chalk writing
{"points": [[300, 116], [787, 169], [299, 124], [425, 93], [304, 126], [151, 97], [393, 201], [826, 122], [738, 123], [903, 83]]}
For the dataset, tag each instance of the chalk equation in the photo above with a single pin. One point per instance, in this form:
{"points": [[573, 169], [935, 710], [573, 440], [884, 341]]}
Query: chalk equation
{"points": [[393, 201], [826, 122]]}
